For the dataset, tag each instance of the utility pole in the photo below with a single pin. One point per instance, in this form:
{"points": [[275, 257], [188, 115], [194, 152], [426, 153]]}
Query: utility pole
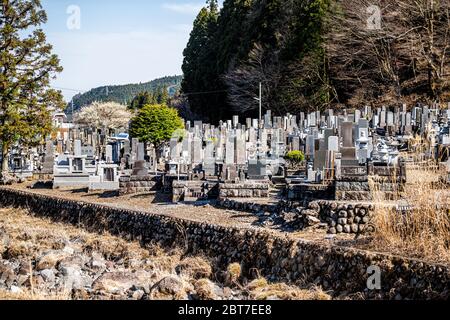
{"points": [[260, 103]]}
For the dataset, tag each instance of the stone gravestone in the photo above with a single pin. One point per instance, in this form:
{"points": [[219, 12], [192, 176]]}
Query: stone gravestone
{"points": [[348, 150], [173, 149], [187, 148], [295, 143], [229, 150], [241, 156], [109, 153], [310, 146], [257, 169], [196, 151], [209, 162], [408, 124], [49, 159], [140, 168], [77, 148], [333, 143]]}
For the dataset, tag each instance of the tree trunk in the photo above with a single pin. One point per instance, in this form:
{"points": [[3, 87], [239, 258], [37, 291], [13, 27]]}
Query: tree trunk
{"points": [[5, 157]]}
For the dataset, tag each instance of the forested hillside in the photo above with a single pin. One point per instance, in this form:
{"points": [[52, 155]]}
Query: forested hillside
{"points": [[124, 94], [315, 54]]}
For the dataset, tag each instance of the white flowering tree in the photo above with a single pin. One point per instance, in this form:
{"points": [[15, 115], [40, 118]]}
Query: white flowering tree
{"points": [[104, 115]]}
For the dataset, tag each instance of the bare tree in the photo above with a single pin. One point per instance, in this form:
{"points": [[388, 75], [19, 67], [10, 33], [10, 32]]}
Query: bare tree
{"points": [[388, 49], [262, 67], [429, 21]]}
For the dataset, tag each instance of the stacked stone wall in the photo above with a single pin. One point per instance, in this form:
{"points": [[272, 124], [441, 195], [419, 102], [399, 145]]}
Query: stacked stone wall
{"points": [[340, 269]]}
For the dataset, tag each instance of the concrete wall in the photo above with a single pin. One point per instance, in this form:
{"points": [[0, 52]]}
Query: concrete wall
{"points": [[343, 270]]}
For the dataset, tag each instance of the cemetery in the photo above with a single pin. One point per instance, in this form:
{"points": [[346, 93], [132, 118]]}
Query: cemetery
{"points": [[298, 150], [342, 158], [313, 177]]}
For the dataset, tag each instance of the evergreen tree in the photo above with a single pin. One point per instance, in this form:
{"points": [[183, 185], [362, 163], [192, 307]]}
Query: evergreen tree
{"points": [[142, 99], [199, 65], [257, 41], [26, 67], [161, 96]]}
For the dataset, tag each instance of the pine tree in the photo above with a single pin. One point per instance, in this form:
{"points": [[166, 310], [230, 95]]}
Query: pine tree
{"points": [[199, 65], [142, 99], [26, 67], [162, 96]]}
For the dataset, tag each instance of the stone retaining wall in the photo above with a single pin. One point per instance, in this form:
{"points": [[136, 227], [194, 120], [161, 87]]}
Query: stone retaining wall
{"points": [[137, 184], [308, 192], [194, 190], [343, 270], [251, 207], [345, 218], [244, 190]]}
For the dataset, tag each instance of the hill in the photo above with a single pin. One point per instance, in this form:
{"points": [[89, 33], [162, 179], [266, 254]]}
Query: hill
{"points": [[316, 54], [123, 93]]}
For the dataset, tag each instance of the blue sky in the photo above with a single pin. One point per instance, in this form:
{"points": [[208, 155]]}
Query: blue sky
{"points": [[119, 41]]}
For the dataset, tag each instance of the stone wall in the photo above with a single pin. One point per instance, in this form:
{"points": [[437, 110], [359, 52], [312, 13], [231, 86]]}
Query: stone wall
{"points": [[194, 190], [353, 189], [138, 184], [246, 206], [345, 218], [341, 269], [244, 190], [306, 192]]}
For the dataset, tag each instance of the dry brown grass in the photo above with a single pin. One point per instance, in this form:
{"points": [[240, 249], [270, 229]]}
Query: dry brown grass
{"points": [[32, 295], [195, 267], [422, 231], [29, 237], [23, 236], [205, 289], [259, 289]]}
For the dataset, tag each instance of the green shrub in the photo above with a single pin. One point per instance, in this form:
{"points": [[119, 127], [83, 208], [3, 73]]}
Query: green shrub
{"points": [[295, 157]]}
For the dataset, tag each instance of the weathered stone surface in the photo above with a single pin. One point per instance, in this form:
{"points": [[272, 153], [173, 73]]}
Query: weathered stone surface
{"points": [[170, 285], [119, 282], [50, 260], [48, 275], [71, 278]]}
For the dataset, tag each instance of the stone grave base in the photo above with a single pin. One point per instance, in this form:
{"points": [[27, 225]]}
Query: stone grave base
{"points": [[104, 186], [244, 190], [194, 190], [74, 180], [308, 192], [138, 184]]}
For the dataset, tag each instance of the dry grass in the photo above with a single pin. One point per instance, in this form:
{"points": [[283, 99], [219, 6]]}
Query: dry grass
{"points": [[195, 267], [30, 237], [259, 289], [234, 271], [25, 237], [32, 295], [423, 229], [205, 289]]}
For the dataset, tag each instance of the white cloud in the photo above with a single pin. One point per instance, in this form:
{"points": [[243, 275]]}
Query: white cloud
{"points": [[184, 8]]}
